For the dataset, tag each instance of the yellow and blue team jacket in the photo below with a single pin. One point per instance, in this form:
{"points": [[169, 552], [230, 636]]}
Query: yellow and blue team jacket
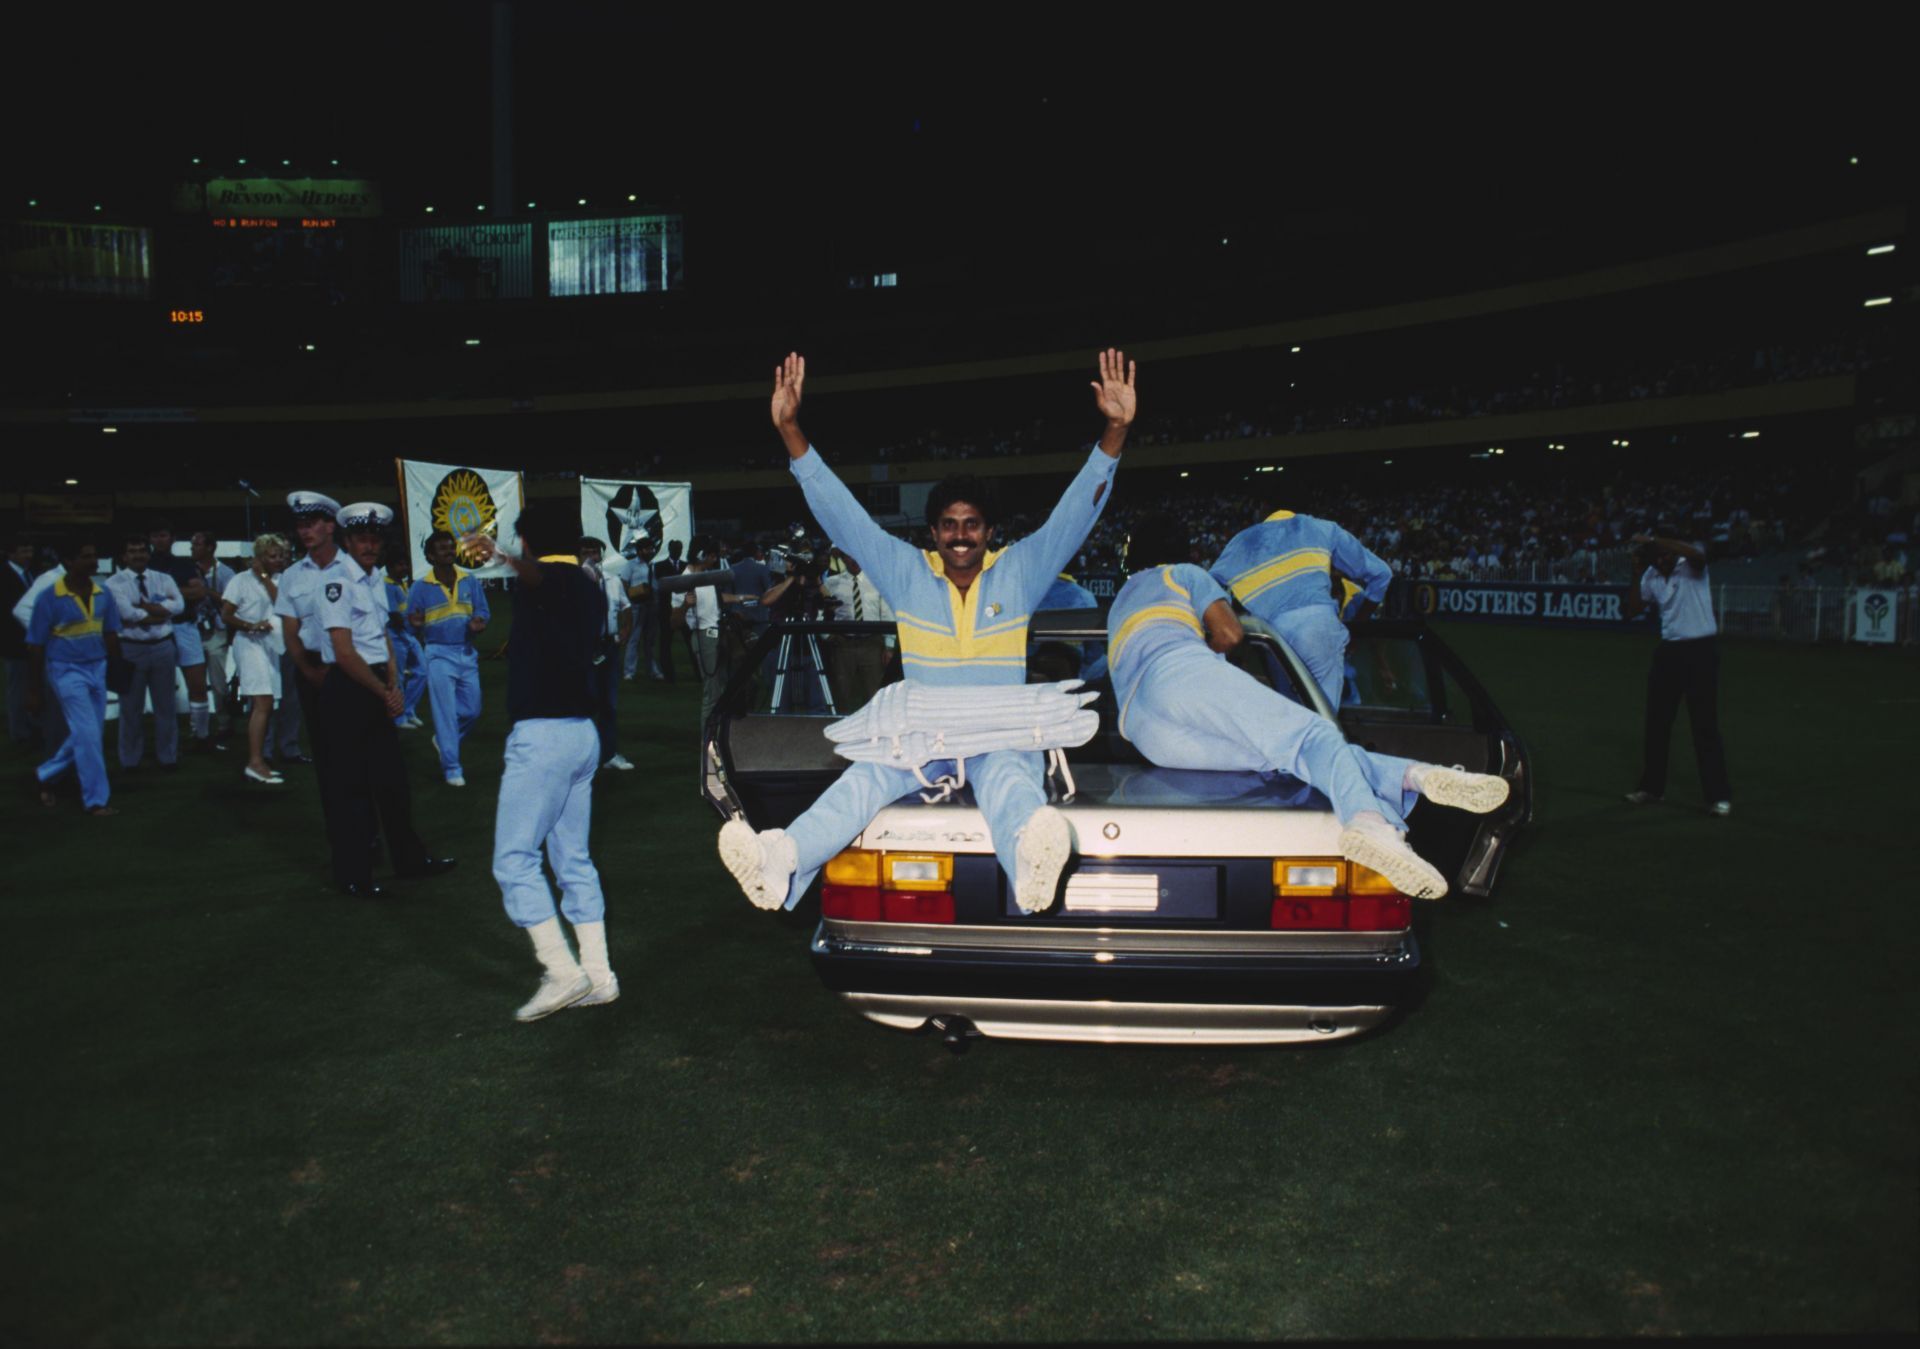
{"points": [[396, 603], [947, 637], [1156, 609], [1283, 564], [72, 628], [448, 610]]}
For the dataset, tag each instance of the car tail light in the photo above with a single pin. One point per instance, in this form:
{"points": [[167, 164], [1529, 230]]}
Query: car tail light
{"points": [[874, 887], [1330, 894]]}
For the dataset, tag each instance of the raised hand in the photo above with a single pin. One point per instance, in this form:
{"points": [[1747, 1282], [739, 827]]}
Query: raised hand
{"points": [[788, 378], [1113, 392]]}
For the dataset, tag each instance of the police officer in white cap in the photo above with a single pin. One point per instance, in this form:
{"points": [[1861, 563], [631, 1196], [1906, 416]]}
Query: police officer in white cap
{"points": [[300, 586], [359, 700]]}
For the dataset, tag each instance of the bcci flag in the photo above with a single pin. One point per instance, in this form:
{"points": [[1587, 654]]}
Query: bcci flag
{"points": [[462, 501]]}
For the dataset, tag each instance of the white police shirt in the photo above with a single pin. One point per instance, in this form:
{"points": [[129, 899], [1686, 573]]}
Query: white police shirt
{"points": [[355, 600], [300, 588], [1684, 600]]}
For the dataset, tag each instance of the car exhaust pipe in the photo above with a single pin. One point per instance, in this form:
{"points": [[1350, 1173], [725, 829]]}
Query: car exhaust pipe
{"points": [[956, 1032]]}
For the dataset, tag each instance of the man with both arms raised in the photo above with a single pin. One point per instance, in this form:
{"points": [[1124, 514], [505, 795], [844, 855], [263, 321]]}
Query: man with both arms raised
{"points": [[962, 611]]}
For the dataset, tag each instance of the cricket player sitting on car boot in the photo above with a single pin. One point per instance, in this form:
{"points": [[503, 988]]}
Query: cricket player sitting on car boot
{"points": [[962, 610], [1184, 706]]}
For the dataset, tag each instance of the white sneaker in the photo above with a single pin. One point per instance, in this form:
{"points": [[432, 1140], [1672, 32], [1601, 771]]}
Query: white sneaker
{"points": [[552, 995], [1640, 798], [1723, 807], [1045, 845], [1380, 847], [619, 761], [1477, 792], [455, 780], [601, 993], [763, 863]]}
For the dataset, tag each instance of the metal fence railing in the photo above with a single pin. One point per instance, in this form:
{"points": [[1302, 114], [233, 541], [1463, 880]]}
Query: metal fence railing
{"points": [[1819, 613]]}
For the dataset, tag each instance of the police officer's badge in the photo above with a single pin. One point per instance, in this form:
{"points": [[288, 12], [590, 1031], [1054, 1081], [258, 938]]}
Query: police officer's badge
{"points": [[463, 506], [333, 591]]}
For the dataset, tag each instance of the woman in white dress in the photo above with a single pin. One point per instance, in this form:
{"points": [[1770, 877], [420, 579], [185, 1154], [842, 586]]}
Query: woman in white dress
{"points": [[247, 609]]}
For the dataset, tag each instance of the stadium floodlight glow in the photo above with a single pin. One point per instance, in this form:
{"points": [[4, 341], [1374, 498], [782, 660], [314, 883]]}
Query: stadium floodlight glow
{"points": [[1183, 473], [1874, 303], [334, 162], [581, 202], [96, 206], [1749, 435], [33, 201], [309, 346], [1854, 160], [632, 197], [1223, 242], [73, 482], [429, 210], [1296, 351], [529, 206], [196, 159], [109, 430], [286, 163], [241, 162], [1871, 252], [481, 207], [473, 341]]}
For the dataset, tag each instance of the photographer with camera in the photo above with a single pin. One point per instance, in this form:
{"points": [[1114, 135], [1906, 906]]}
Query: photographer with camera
{"points": [[795, 598], [1686, 665], [696, 612]]}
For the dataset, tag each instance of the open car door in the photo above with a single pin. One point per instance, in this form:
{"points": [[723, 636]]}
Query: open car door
{"points": [[1407, 693]]}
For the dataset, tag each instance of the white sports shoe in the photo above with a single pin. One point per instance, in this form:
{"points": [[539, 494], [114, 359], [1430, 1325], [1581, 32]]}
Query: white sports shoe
{"points": [[455, 780], [552, 995], [600, 994], [1040, 856], [1380, 847], [763, 863], [1477, 792], [619, 761], [1723, 807]]}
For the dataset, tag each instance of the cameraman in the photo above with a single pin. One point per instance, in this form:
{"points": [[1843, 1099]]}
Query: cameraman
{"points": [[796, 598], [698, 615], [1686, 665]]}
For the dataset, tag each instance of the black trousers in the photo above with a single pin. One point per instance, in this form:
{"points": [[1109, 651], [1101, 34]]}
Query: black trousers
{"points": [[669, 632], [314, 714], [366, 773], [1689, 671], [606, 687]]}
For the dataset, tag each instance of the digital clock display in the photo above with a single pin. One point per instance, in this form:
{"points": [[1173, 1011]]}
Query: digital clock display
{"points": [[186, 316]]}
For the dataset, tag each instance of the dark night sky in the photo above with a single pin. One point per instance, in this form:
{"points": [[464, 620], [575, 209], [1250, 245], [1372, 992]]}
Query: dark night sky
{"points": [[1188, 133]]}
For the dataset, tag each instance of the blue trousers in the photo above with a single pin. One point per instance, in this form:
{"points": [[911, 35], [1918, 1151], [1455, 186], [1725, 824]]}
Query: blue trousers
{"points": [[82, 694], [1193, 710], [1319, 638], [408, 651], [1007, 783], [452, 674], [546, 801]]}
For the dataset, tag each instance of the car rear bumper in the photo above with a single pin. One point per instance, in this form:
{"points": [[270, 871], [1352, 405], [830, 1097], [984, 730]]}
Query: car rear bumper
{"points": [[1105, 1022], [1218, 996]]}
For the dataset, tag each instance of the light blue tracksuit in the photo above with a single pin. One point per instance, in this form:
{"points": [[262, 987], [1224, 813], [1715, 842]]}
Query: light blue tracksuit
{"points": [[452, 665], [72, 630], [1279, 570], [1184, 706], [546, 802], [406, 650], [946, 638]]}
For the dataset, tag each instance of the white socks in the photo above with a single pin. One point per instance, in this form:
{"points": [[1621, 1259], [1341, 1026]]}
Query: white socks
{"points": [[550, 944], [1373, 822], [592, 939], [200, 713]]}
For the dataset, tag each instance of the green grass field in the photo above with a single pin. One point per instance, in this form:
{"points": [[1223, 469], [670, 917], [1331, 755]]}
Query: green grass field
{"points": [[1663, 1082]]}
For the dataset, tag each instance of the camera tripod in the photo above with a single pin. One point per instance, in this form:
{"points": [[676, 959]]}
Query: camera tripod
{"points": [[783, 661]]}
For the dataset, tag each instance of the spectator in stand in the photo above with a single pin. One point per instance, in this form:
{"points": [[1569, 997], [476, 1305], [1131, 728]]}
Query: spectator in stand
{"points": [[246, 605], [1686, 666], [149, 601], [74, 630]]}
